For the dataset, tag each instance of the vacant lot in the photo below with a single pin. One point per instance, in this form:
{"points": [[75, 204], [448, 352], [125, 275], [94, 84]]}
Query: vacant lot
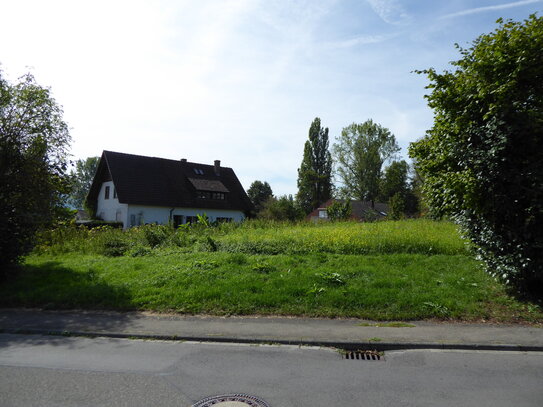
{"points": [[384, 271]]}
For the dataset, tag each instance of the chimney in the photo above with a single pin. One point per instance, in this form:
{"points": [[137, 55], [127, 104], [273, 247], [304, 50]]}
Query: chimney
{"points": [[217, 167], [183, 160]]}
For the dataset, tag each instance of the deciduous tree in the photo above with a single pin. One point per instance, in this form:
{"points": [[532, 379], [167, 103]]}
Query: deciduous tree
{"points": [[259, 192], [82, 177], [394, 180], [359, 153], [33, 156]]}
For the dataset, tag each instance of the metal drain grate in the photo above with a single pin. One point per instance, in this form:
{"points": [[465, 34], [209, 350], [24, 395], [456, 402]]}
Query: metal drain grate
{"points": [[364, 355]]}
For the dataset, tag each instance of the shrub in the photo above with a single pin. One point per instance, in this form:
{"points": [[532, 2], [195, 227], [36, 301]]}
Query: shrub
{"points": [[339, 210], [91, 224], [397, 205], [114, 247], [140, 251], [481, 161], [155, 235]]}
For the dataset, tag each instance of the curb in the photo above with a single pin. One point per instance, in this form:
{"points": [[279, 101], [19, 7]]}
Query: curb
{"points": [[349, 346]]}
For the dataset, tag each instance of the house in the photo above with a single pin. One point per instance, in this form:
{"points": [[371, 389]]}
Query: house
{"points": [[361, 211], [137, 190]]}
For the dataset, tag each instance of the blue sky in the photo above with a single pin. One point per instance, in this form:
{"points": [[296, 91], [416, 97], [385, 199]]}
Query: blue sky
{"points": [[238, 80]]}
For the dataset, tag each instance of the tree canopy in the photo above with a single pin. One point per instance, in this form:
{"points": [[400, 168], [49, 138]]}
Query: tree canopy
{"points": [[315, 172], [33, 157], [482, 160], [360, 152], [395, 180], [284, 208], [82, 177], [259, 192]]}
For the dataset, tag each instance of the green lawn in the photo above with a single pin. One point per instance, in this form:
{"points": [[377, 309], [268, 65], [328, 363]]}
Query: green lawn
{"points": [[413, 270]]}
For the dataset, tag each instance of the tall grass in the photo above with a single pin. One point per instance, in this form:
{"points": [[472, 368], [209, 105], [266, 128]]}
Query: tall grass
{"points": [[257, 237], [408, 236]]}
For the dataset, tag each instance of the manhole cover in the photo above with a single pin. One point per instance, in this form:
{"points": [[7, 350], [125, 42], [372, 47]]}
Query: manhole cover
{"points": [[232, 400]]}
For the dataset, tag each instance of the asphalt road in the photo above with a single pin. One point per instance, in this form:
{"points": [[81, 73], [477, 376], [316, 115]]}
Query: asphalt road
{"points": [[63, 371]]}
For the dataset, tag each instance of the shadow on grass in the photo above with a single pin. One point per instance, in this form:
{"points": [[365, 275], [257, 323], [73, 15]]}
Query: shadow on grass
{"points": [[52, 286], [39, 296]]}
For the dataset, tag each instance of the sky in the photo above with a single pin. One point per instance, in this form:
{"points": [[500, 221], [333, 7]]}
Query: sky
{"points": [[238, 80]]}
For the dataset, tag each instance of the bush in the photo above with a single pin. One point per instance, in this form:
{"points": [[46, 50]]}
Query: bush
{"points": [[114, 247], [397, 204], [155, 235], [91, 224], [339, 210], [140, 251], [481, 161]]}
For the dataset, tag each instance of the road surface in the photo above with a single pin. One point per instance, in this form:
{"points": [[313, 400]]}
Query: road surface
{"points": [[68, 371]]}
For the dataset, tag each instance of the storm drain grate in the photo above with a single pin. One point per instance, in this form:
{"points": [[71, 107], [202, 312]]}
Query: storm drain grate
{"points": [[364, 355]]}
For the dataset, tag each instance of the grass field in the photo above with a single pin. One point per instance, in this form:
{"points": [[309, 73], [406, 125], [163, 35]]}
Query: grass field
{"points": [[382, 271]]}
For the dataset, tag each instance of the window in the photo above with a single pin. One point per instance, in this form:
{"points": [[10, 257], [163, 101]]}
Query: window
{"points": [[114, 193], [211, 195], [177, 220], [323, 213], [198, 171], [106, 196], [191, 219]]}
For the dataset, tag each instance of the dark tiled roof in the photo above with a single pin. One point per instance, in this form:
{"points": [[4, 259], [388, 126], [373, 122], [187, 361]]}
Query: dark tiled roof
{"points": [[208, 185], [155, 181]]}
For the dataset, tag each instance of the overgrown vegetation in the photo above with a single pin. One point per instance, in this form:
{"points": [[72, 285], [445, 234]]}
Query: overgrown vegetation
{"points": [[384, 270], [264, 237]]}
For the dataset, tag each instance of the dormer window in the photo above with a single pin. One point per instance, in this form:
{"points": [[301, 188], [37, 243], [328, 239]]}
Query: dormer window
{"points": [[198, 171], [211, 195]]}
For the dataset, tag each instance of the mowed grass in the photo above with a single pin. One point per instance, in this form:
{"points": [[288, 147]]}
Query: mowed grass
{"points": [[411, 270]]}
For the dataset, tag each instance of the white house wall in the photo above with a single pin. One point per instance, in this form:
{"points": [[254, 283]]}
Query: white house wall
{"points": [[110, 209], [156, 214]]}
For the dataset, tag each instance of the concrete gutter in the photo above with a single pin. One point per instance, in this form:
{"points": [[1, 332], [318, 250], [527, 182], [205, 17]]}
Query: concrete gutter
{"points": [[339, 333]]}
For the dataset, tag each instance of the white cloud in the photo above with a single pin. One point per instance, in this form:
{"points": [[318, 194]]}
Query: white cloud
{"points": [[490, 8], [390, 11], [360, 40]]}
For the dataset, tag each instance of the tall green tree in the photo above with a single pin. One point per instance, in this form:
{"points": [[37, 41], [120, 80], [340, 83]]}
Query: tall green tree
{"points": [[395, 179], [82, 177], [359, 153], [259, 192], [482, 161], [315, 172], [33, 157]]}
